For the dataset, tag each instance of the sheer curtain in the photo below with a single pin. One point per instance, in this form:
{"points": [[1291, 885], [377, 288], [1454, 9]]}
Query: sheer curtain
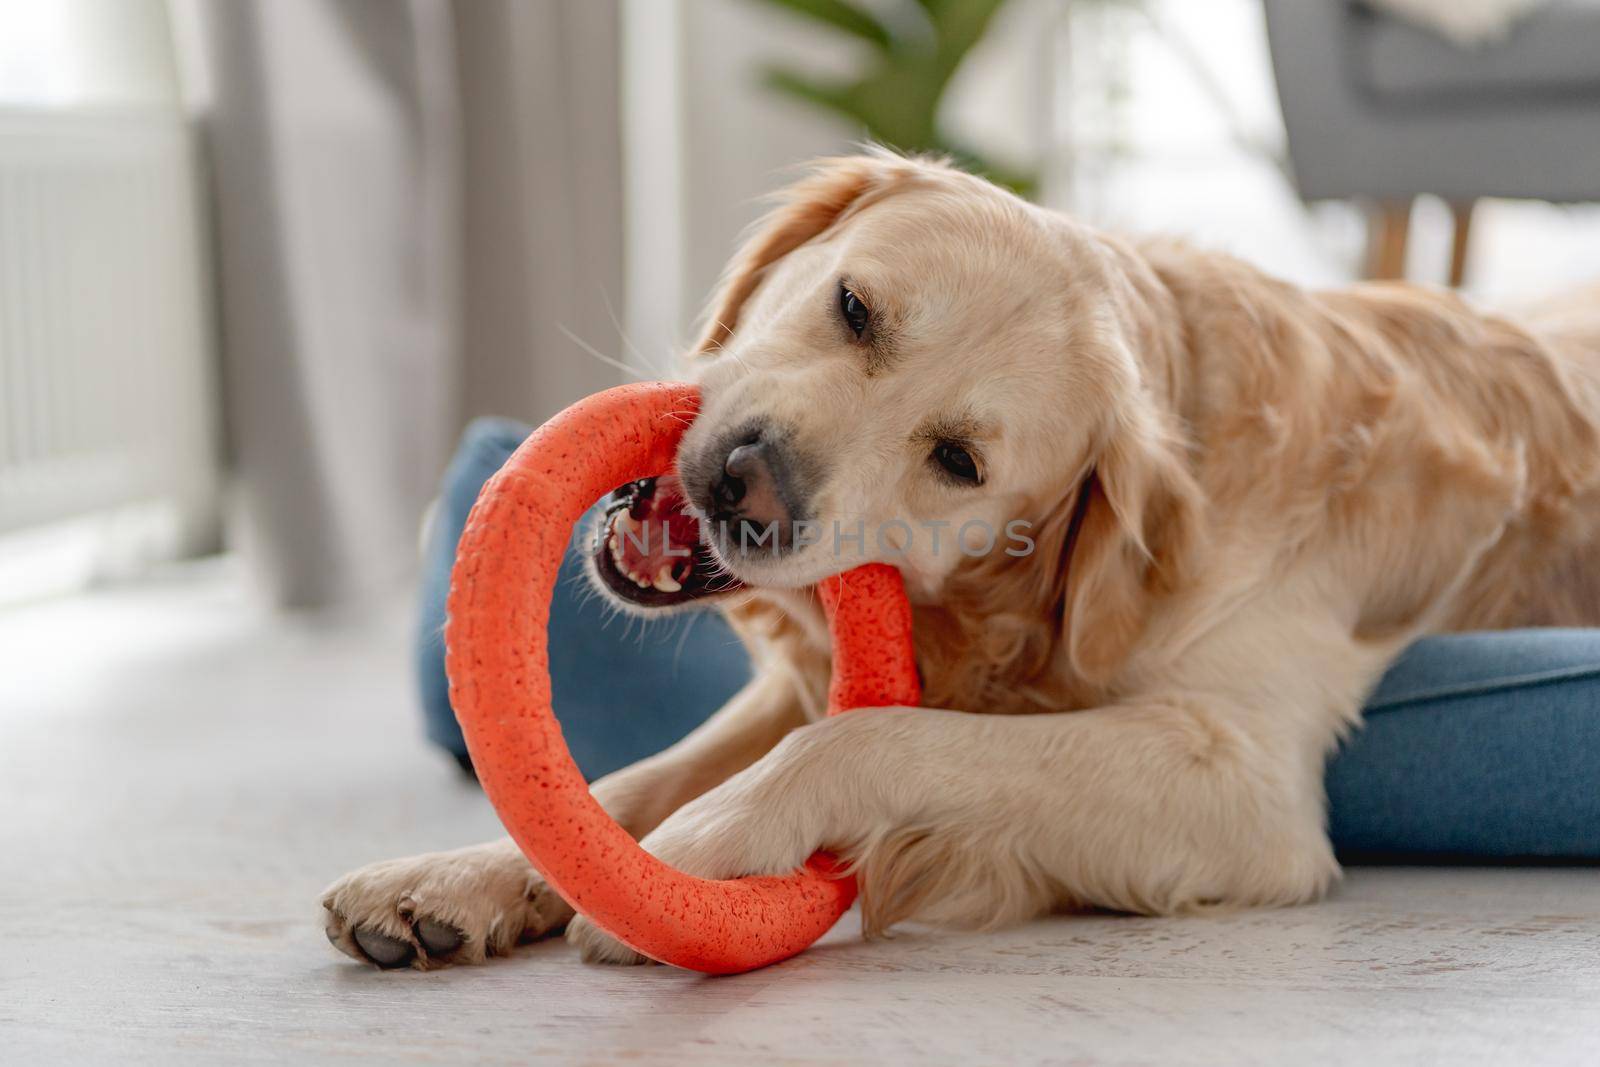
{"points": [[413, 201]]}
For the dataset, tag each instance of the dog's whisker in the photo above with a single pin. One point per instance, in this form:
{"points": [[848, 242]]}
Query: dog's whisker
{"points": [[602, 357], [627, 342]]}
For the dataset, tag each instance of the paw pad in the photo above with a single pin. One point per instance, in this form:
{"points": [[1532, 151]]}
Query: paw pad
{"points": [[387, 952]]}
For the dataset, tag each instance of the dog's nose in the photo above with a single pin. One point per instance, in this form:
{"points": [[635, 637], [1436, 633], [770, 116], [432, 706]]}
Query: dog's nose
{"points": [[747, 463], [750, 486], [729, 486]]}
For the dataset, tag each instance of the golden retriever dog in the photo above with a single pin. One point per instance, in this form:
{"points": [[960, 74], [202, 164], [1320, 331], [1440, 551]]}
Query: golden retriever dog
{"points": [[1224, 505]]}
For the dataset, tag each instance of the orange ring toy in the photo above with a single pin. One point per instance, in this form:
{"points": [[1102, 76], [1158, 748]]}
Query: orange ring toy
{"points": [[497, 660]]}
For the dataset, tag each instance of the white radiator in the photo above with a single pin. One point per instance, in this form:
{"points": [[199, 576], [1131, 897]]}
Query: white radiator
{"points": [[106, 391]]}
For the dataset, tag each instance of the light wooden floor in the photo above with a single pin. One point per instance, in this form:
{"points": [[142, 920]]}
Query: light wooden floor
{"points": [[180, 781]]}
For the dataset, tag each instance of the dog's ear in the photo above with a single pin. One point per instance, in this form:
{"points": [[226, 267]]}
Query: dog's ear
{"points": [[1135, 537], [805, 210]]}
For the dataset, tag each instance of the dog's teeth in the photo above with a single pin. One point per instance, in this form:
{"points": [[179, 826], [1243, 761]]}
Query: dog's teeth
{"points": [[664, 580], [642, 583]]}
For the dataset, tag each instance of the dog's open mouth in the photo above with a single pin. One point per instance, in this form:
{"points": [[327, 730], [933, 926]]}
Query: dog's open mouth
{"points": [[648, 550]]}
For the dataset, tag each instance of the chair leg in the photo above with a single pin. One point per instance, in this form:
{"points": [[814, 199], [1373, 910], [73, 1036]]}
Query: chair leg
{"points": [[1388, 229], [1462, 212]]}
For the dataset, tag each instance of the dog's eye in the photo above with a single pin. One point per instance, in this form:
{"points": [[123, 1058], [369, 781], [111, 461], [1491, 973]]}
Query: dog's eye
{"points": [[957, 462], [855, 313]]}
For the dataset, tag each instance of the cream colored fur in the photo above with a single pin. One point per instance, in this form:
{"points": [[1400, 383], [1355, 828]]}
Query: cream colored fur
{"points": [[1285, 488]]}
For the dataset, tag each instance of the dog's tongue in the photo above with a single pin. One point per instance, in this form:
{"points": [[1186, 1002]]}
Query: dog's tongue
{"points": [[652, 541]]}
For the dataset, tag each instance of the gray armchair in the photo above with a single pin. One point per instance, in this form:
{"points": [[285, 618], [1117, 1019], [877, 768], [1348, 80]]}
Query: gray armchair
{"points": [[1382, 111]]}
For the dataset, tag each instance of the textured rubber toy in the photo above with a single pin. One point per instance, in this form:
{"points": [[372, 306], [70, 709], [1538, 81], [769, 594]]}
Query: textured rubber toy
{"points": [[497, 660]]}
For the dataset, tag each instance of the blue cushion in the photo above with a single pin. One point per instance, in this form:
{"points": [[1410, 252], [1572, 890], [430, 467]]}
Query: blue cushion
{"points": [[622, 688]]}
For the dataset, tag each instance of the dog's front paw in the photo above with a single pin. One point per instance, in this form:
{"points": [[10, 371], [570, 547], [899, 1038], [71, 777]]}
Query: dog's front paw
{"points": [[689, 844], [594, 945], [741, 827], [442, 908]]}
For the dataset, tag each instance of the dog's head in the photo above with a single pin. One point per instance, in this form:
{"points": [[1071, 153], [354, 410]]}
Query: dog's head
{"points": [[905, 363]]}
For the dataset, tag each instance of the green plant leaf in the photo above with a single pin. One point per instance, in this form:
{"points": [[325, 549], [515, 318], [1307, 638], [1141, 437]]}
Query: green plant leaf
{"points": [[895, 99], [830, 97], [841, 15]]}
